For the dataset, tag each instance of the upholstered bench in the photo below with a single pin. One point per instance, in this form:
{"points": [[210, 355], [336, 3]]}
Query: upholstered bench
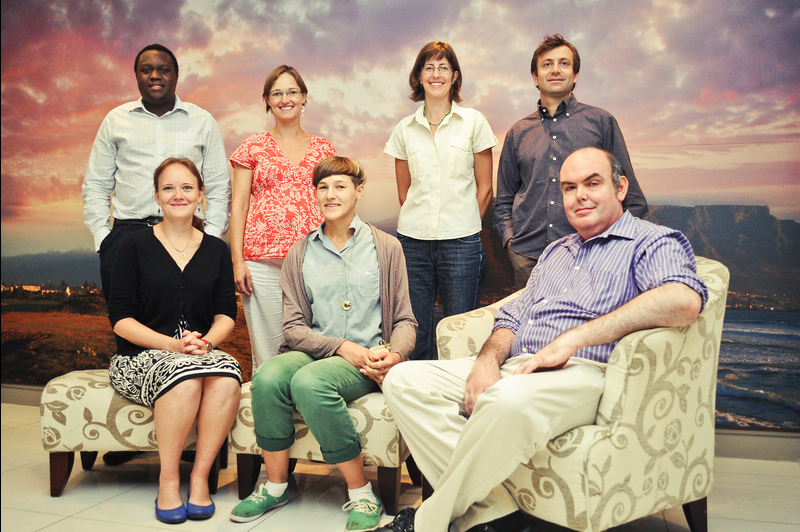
{"points": [[81, 412], [381, 442]]}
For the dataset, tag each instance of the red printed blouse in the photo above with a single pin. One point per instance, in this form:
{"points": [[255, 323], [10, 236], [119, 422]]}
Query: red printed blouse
{"points": [[283, 208]]}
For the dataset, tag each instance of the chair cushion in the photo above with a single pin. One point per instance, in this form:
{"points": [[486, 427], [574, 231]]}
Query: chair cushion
{"points": [[81, 411]]}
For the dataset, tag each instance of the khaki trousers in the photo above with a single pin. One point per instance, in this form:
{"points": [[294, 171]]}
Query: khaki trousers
{"points": [[465, 459]]}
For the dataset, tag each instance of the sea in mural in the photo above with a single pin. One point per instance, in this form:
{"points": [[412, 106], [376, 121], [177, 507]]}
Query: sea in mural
{"points": [[758, 382]]}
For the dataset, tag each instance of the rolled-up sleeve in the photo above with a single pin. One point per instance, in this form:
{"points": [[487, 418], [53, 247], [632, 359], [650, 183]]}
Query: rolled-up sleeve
{"points": [[669, 259]]}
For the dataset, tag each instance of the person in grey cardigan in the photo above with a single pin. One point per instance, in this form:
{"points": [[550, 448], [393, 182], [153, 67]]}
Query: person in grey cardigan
{"points": [[347, 320]]}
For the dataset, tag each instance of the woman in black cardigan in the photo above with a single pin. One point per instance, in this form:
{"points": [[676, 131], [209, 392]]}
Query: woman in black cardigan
{"points": [[173, 301]]}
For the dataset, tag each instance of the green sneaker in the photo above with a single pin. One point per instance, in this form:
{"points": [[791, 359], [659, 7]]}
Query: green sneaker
{"points": [[257, 504], [364, 514]]}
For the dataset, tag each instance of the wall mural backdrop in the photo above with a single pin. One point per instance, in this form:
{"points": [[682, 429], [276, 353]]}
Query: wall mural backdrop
{"points": [[706, 93]]}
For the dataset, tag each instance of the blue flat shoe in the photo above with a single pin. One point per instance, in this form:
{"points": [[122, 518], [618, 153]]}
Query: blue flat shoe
{"points": [[173, 516], [198, 513]]}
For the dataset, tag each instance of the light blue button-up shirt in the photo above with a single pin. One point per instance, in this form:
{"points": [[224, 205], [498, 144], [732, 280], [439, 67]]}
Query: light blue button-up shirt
{"points": [[334, 277]]}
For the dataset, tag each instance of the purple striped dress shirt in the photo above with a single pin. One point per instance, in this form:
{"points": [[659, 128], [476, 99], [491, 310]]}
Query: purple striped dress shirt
{"points": [[576, 281]]}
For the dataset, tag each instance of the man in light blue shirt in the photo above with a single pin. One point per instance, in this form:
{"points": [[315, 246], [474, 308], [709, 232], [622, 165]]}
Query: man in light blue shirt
{"points": [[132, 141]]}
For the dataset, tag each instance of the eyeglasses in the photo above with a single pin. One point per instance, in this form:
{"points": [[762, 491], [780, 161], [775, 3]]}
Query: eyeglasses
{"points": [[277, 95], [444, 69]]}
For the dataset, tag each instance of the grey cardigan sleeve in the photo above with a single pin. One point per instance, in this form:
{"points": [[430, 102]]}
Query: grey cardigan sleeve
{"points": [[398, 318]]}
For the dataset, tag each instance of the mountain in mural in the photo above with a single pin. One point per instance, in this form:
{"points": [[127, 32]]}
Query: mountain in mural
{"points": [[761, 252]]}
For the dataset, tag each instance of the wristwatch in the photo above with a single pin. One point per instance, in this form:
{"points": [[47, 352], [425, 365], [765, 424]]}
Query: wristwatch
{"points": [[209, 347]]}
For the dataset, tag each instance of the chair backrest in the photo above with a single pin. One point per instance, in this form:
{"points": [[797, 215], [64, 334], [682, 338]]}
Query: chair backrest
{"points": [[649, 371]]}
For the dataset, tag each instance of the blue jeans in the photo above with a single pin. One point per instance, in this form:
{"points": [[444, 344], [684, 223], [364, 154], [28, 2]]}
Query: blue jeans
{"points": [[455, 268]]}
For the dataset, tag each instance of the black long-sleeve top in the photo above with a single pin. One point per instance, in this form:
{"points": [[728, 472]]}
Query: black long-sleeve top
{"points": [[150, 287]]}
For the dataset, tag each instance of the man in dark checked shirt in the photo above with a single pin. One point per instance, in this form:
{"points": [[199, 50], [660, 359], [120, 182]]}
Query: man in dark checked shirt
{"points": [[529, 214], [470, 422]]}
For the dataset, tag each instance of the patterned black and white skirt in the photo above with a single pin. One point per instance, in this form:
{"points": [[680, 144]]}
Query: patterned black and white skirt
{"points": [[152, 373]]}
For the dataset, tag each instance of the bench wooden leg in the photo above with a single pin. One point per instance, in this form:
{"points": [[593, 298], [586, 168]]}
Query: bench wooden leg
{"points": [[248, 467], [223, 455], [696, 513], [60, 468], [413, 471], [87, 459], [389, 488], [427, 489]]}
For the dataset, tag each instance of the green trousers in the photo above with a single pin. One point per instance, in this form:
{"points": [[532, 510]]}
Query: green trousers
{"points": [[320, 390]]}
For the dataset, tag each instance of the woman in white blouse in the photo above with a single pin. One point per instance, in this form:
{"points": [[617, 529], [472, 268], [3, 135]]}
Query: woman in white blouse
{"points": [[443, 166]]}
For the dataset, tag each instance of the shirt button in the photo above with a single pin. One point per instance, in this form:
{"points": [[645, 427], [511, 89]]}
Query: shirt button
{"points": [[554, 137], [552, 202], [544, 301], [530, 322], [555, 158], [567, 114], [565, 291], [524, 349], [577, 268], [553, 180], [549, 225], [555, 120], [341, 275]]}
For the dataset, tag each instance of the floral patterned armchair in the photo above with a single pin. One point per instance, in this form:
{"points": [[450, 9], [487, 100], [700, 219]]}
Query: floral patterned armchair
{"points": [[652, 444]]}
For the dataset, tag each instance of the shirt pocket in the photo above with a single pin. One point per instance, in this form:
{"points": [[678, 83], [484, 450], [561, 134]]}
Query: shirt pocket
{"points": [[462, 160], [607, 291], [369, 283], [417, 162]]}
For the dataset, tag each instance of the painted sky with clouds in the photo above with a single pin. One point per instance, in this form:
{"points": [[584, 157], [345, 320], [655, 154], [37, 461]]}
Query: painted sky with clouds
{"points": [[707, 92]]}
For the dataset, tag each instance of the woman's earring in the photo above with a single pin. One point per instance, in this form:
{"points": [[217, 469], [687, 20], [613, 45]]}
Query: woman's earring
{"points": [[303, 110]]}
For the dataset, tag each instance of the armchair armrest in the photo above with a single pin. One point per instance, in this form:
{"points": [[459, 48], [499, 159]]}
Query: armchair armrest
{"points": [[463, 335]]}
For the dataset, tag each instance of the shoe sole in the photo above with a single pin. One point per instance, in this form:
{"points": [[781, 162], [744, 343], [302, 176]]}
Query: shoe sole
{"points": [[239, 519]]}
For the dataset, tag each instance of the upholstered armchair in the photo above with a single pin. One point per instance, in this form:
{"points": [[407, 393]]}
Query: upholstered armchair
{"points": [[652, 444], [81, 412], [382, 445]]}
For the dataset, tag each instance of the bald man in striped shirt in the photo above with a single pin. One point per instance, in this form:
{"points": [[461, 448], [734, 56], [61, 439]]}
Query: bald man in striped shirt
{"points": [[471, 422]]}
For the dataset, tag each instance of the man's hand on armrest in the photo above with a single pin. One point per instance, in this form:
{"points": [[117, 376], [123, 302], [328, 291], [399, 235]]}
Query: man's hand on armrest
{"points": [[486, 370]]}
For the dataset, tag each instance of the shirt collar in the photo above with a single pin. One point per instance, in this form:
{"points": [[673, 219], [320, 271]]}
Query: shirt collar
{"points": [[624, 227], [139, 106], [419, 116], [356, 224], [565, 107]]}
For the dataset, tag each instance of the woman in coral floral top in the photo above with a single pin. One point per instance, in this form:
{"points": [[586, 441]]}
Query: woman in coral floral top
{"points": [[274, 206]]}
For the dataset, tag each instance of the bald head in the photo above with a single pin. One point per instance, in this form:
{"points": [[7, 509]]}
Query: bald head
{"points": [[592, 190]]}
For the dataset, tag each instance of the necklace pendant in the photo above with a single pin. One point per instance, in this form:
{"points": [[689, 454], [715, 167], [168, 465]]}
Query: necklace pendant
{"points": [[346, 305], [183, 255]]}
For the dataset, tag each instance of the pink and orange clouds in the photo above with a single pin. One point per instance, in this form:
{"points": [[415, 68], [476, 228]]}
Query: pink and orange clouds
{"points": [[705, 91]]}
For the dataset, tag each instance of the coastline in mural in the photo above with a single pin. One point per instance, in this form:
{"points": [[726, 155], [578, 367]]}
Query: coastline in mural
{"points": [[758, 381]]}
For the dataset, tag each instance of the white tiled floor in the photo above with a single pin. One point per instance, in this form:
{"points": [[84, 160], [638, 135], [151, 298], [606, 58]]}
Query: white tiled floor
{"points": [[748, 495]]}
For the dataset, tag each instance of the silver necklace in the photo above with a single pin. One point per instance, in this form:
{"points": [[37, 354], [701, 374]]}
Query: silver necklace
{"points": [[181, 251], [346, 304], [425, 114]]}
